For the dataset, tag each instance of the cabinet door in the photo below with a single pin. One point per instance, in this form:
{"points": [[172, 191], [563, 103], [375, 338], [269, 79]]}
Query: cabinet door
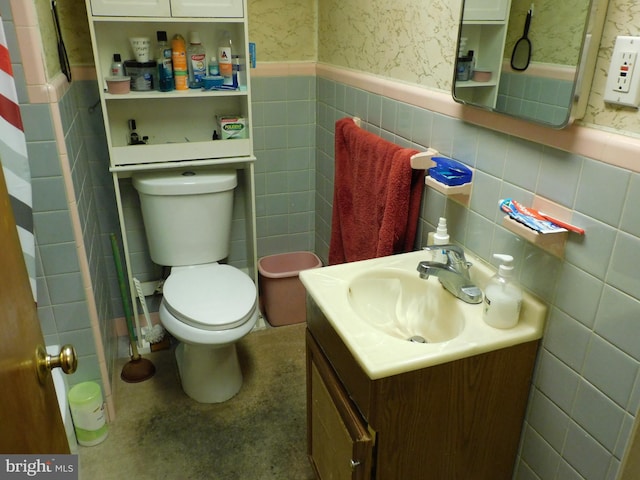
{"points": [[207, 8], [490, 10], [340, 445], [131, 8]]}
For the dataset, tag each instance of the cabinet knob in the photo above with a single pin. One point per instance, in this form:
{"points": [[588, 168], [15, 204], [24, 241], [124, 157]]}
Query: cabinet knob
{"points": [[354, 463]]}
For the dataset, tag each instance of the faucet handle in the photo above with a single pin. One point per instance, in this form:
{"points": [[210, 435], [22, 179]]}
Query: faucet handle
{"points": [[455, 255], [449, 249]]}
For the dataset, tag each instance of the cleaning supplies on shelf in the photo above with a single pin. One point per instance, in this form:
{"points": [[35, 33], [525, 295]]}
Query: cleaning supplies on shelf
{"points": [[225, 59], [117, 67], [502, 296], [528, 217], [439, 237], [196, 60], [179, 58], [165, 64], [450, 172]]}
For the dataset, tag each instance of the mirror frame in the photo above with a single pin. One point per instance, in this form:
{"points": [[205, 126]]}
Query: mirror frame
{"points": [[582, 78]]}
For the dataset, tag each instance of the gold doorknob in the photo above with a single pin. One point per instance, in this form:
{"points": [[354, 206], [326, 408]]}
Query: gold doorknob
{"points": [[67, 360]]}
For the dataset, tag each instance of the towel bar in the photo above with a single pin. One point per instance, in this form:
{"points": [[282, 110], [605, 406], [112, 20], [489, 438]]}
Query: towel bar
{"points": [[423, 161], [420, 161]]}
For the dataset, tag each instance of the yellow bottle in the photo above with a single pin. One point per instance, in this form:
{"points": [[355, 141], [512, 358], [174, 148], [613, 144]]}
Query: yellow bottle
{"points": [[179, 57]]}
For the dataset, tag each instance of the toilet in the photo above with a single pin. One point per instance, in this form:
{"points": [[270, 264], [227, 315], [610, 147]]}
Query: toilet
{"points": [[207, 306]]}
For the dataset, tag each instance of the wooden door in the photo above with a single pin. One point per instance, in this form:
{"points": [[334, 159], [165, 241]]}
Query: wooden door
{"points": [[29, 411], [340, 445]]}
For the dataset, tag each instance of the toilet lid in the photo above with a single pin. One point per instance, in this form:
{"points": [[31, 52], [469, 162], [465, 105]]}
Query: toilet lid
{"points": [[211, 297]]}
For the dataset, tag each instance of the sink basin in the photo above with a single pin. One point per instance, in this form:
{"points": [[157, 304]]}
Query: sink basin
{"points": [[404, 306], [382, 309]]}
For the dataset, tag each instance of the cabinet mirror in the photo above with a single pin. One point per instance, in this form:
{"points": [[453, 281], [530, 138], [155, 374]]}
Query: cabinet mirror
{"points": [[550, 83]]}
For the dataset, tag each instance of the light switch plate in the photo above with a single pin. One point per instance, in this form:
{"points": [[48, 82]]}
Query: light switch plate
{"points": [[623, 81]]}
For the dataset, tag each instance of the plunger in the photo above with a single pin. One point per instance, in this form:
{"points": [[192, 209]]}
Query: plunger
{"points": [[137, 369]]}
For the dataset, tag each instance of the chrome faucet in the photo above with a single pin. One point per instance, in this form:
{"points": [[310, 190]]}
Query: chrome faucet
{"points": [[453, 275]]}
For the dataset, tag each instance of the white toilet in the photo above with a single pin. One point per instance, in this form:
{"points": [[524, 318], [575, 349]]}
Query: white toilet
{"points": [[206, 305]]}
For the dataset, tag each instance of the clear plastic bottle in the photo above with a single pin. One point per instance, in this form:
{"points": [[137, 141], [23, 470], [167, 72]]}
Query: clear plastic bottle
{"points": [[225, 59], [439, 237], [213, 66], [196, 60], [179, 58], [165, 64], [502, 296]]}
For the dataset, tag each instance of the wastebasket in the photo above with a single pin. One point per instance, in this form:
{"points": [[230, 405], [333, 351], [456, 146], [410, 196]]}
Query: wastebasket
{"points": [[283, 295]]}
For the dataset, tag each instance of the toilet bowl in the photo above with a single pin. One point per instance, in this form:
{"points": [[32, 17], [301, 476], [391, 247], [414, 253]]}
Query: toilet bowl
{"points": [[208, 306]]}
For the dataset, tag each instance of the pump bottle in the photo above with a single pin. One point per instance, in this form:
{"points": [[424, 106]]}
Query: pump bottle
{"points": [[502, 296]]}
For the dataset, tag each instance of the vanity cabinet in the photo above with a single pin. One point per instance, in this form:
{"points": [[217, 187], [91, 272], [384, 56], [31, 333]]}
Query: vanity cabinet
{"points": [[484, 28], [460, 419]]}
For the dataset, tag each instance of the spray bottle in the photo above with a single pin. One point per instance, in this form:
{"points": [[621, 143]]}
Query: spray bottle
{"points": [[179, 57], [439, 237], [503, 296]]}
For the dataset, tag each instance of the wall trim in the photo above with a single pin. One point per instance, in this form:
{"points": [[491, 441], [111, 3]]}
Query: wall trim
{"points": [[606, 146]]}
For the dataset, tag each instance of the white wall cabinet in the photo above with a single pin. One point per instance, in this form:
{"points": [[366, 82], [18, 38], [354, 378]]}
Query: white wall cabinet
{"points": [[483, 10], [178, 125], [168, 8], [484, 26]]}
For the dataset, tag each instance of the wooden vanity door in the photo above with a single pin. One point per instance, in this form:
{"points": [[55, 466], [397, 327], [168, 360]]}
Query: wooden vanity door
{"points": [[339, 444]]}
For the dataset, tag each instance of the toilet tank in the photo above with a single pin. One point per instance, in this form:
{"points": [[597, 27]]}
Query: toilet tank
{"points": [[187, 214]]}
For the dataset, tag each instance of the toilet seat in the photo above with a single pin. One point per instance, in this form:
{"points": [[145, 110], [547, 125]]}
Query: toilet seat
{"points": [[210, 297]]}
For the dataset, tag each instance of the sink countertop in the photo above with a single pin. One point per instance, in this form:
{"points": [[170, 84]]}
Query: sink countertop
{"points": [[381, 355]]}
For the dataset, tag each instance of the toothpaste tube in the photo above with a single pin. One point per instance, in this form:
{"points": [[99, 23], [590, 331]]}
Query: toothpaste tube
{"points": [[527, 217]]}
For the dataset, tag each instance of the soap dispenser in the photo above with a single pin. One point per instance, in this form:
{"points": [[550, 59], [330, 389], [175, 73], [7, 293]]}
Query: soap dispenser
{"points": [[503, 296]]}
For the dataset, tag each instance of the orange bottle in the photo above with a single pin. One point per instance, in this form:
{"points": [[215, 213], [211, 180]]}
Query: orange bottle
{"points": [[179, 58]]}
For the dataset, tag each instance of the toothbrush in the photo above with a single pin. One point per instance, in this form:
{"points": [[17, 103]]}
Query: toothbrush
{"points": [[562, 224]]}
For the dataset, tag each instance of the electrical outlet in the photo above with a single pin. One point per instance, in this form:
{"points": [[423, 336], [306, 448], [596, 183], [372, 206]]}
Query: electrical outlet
{"points": [[625, 72], [623, 86]]}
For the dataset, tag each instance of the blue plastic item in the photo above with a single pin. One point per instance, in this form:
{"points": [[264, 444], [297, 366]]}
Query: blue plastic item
{"points": [[450, 172]]}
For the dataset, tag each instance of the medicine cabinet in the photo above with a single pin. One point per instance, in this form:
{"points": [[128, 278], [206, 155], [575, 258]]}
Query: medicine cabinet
{"points": [[554, 89]]}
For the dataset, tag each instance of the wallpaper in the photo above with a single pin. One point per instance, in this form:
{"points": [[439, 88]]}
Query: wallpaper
{"points": [[413, 41], [409, 40], [556, 29], [283, 30]]}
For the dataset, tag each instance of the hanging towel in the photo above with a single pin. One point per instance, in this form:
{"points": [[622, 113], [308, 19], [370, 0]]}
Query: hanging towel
{"points": [[376, 198]]}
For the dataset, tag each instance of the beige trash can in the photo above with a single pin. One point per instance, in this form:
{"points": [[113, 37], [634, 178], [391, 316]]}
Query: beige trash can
{"points": [[283, 295]]}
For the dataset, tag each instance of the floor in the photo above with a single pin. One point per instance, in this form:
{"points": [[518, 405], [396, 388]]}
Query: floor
{"points": [[260, 434]]}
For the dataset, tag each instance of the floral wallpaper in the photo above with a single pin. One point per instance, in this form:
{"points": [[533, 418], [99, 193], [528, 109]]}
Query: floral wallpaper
{"points": [[409, 40], [283, 30], [413, 41], [552, 42]]}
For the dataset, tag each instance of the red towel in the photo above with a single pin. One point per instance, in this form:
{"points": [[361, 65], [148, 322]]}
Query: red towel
{"points": [[376, 198]]}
